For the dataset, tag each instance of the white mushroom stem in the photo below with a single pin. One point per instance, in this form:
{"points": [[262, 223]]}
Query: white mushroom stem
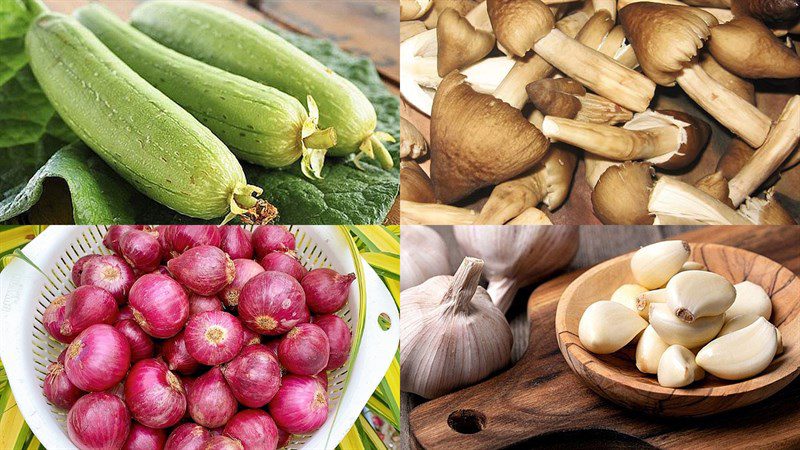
{"points": [[674, 202], [607, 5], [595, 167], [781, 142], [421, 45], [721, 14], [414, 213], [483, 76], [596, 71], [648, 136], [614, 45], [531, 216], [736, 114]]}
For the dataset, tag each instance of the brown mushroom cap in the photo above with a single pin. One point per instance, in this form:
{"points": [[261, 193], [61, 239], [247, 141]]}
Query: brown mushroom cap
{"points": [[622, 193], [518, 24], [556, 96], [767, 10], [715, 185], [697, 134], [735, 157], [462, 7], [746, 47], [460, 44], [665, 37], [415, 185], [477, 140]]}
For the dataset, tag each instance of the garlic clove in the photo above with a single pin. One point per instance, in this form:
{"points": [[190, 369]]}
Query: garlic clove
{"points": [[675, 331], [607, 326], [649, 351], [692, 265], [627, 294], [677, 367], [645, 299], [736, 323], [750, 299], [740, 354], [696, 293], [655, 264]]}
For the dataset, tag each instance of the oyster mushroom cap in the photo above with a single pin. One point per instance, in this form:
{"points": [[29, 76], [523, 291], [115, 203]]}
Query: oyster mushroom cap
{"points": [[622, 193], [477, 140], [747, 48], [665, 37], [767, 10], [415, 185], [459, 43], [518, 24], [556, 96], [694, 138]]}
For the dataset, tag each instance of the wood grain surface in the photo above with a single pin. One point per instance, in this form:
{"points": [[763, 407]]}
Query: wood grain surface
{"points": [[564, 403]]}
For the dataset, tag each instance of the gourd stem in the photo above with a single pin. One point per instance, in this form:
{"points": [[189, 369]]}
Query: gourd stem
{"points": [[246, 201], [381, 154], [465, 282], [321, 139]]}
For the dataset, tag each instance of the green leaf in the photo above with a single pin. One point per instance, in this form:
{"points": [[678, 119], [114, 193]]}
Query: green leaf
{"points": [[14, 19], [25, 112]]}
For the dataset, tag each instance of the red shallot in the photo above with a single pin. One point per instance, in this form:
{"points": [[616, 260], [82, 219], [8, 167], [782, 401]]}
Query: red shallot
{"points": [[254, 428], [141, 343], [98, 421], [114, 233], [220, 442], [213, 337], [177, 357], [270, 238], [77, 269], [205, 270], [98, 358], [339, 338], [326, 290], [285, 262], [304, 350], [254, 376], [236, 242], [202, 303], [111, 273], [141, 250], [245, 269], [53, 318], [57, 387], [86, 306], [300, 406], [211, 402], [145, 438], [179, 238], [272, 303], [188, 436], [155, 396], [159, 304]]}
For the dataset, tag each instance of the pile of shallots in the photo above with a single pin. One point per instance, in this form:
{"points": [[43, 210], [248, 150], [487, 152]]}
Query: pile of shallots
{"points": [[196, 337]]}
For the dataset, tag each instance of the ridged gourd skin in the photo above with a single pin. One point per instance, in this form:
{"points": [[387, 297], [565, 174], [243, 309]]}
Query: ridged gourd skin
{"points": [[262, 125], [237, 45], [144, 136]]}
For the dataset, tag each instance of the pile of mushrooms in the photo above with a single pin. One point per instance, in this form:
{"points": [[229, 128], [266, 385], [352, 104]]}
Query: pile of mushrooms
{"points": [[519, 90]]}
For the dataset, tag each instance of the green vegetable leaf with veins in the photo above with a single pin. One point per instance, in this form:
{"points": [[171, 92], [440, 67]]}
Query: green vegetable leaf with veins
{"points": [[31, 132]]}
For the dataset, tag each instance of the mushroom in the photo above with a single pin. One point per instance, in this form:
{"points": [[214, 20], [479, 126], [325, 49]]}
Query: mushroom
{"points": [[668, 139], [595, 166], [674, 202], [531, 216], [735, 157], [769, 11], [615, 45], [666, 39], [414, 9], [410, 29], [412, 142], [781, 142], [415, 185], [715, 185], [548, 182], [482, 76], [622, 192], [724, 4], [564, 97], [461, 6], [738, 86], [459, 43], [609, 6], [521, 25], [477, 140], [746, 47], [721, 14], [766, 211], [415, 213]]}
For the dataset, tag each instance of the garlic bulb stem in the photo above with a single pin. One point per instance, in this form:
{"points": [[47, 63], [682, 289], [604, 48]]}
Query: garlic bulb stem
{"points": [[502, 292], [463, 287]]}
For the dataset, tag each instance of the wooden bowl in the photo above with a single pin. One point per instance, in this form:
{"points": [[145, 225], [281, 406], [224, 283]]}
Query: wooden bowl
{"points": [[615, 376]]}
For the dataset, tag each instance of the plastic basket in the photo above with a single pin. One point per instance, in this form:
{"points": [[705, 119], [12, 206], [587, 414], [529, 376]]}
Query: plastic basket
{"points": [[26, 348]]}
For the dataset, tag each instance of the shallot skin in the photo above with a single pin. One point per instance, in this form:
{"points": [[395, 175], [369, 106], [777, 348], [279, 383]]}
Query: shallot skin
{"points": [[211, 401], [177, 357], [179, 238], [245, 269], [98, 421], [188, 436], [254, 428], [155, 396], [221, 442], [77, 269], [339, 337], [114, 233], [285, 262], [254, 376], [272, 303], [213, 337], [236, 242], [142, 345], [160, 305], [86, 306], [271, 238], [53, 318], [202, 303], [111, 273], [205, 270], [144, 438], [98, 358], [326, 290], [300, 406], [57, 388], [141, 250], [304, 350]]}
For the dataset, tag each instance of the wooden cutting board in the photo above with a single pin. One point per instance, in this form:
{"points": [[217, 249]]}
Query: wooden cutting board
{"points": [[540, 403]]}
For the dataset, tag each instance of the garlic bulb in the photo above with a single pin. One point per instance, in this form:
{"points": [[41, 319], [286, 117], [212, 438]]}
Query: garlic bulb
{"points": [[750, 299], [516, 256], [675, 331], [423, 254], [607, 326], [741, 354], [645, 299], [649, 351], [452, 334], [655, 264], [696, 293], [627, 294], [677, 367]]}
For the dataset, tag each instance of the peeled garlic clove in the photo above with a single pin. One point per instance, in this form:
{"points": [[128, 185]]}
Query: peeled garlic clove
{"points": [[645, 299], [675, 331], [691, 265], [626, 295], [677, 367], [649, 351], [750, 299], [696, 293], [654, 265], [741, 354], [607, 326], [736, 323]]}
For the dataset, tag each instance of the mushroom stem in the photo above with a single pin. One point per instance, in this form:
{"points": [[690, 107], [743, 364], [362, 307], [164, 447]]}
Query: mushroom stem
{"points": [[613, 142], [676, 203], [766, 211], [782, 140], [738, 86], [614, 46], [414, 213], [742, 118], [531, 216], [482, 76], [411, 28], [596, 71], [606, 5]]}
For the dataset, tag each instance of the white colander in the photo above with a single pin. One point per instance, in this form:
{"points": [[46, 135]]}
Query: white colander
{"points": [[26, 349]]}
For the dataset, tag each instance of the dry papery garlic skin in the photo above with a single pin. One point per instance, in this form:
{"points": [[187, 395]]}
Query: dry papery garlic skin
{"points": [[649, 350], [675, 331], [677, 368], [423, 254], [452, 334], [607, 326], [627, 294], [696, 293], [652, 266], [750, 299], [740, 354]]}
